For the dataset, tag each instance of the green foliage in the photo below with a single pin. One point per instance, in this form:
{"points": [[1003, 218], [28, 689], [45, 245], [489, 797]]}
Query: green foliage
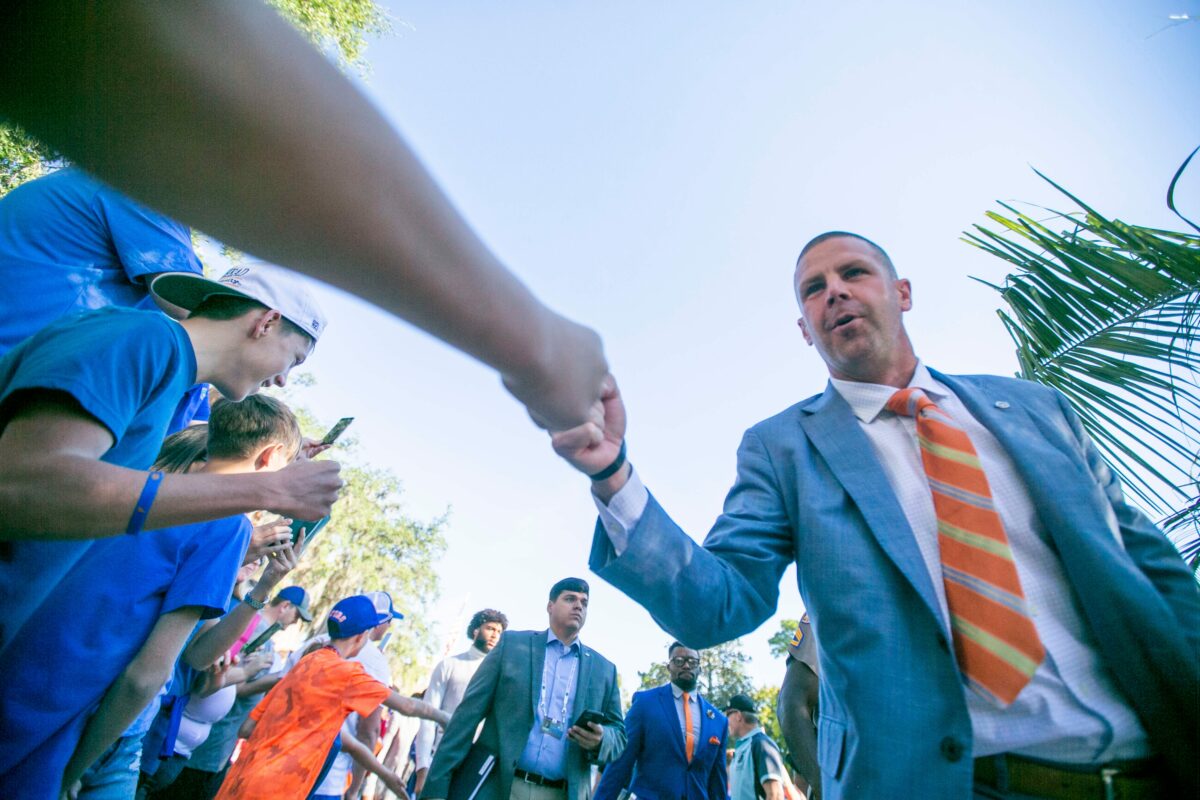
{"points": [[722, 673], [22, 158], [766, 699], [780, 639], [341, 26], [338, 27], [371, 544], [1106, 313]]}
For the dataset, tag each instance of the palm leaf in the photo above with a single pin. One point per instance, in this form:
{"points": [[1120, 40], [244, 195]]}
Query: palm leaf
{"points": [[1106, 313]]}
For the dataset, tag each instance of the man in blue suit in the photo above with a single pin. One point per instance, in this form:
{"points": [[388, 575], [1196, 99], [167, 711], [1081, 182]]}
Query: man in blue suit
{"points": [[837, 483], [676, 740]]}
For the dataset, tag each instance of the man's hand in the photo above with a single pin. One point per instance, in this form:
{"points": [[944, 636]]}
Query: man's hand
{"points": [[282, 561], [588, 738], [393, 782], [306, 489], [255, 663], [594, 445], [560, 391], [268, 538], [71, 792]]}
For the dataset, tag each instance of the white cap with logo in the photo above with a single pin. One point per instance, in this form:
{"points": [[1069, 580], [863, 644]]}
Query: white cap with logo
{"points": [[275, 287]]}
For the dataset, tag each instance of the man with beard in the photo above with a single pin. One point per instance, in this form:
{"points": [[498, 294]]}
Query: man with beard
{"points": [[449, 680], [676, 740]]}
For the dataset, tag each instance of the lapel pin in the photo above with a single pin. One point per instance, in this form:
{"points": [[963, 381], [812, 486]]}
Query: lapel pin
{"points": [[710, 713], [1001, 404]]}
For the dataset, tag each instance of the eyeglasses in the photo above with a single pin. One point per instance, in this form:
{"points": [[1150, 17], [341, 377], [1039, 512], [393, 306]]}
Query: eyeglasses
{"points": [[680, 661]]}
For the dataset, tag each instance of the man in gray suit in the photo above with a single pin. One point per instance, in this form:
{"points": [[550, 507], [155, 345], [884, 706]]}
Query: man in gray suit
{"points": [[992, 617], [528, 693]]}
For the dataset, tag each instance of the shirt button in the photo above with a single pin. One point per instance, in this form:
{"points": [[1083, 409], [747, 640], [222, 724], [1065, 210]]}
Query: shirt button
{"points": [[952, 749]]}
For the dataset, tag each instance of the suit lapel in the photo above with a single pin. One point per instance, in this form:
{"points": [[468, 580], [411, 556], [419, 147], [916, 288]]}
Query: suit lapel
{"points": [[834, 431], [666, 697], [583, 683], [537, 665]]}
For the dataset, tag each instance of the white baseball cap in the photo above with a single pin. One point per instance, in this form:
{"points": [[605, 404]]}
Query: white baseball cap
{"points": [[275, 287]]}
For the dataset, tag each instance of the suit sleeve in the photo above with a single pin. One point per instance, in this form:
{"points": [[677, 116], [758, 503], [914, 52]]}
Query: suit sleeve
{"points": [[460, 733], [433, 695], [727, 588], [613, 743], [619, 773], [718, 778], [1149, 548]]}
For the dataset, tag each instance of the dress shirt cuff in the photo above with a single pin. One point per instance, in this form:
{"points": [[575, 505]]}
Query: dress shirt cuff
{"points": [[623, 511]]}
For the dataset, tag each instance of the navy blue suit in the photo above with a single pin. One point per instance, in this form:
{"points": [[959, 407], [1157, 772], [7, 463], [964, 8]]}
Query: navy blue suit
{"points": [[655, 747]]}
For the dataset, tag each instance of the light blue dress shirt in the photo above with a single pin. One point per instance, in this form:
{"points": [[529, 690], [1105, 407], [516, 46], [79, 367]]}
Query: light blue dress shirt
{"points": [[545, 753]]}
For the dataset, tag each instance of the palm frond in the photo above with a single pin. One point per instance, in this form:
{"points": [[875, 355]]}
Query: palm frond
{"points": [[1106, 313]]}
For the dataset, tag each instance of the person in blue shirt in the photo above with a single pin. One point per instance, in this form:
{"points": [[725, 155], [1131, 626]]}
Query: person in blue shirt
{"points": [[84, 406], [98, 650], [69, 243]]}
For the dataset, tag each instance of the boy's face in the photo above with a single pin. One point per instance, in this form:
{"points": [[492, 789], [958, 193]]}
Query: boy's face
{"points": [[265, 358]]}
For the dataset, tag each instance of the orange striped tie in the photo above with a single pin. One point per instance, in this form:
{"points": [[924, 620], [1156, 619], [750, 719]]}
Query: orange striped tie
{"points": [[689, 740], [996, 643]]}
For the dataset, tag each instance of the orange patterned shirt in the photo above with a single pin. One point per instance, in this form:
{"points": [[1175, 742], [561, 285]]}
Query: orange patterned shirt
{"points": [[296, 724]]}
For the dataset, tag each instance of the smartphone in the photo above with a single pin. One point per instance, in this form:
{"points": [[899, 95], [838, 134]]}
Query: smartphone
{"points": [[337, 429], [383, 643], [590, 716], [311, 528], [262, 638]]}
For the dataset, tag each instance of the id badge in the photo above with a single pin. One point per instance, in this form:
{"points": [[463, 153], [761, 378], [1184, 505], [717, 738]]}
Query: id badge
{"points": [[552, 727]]}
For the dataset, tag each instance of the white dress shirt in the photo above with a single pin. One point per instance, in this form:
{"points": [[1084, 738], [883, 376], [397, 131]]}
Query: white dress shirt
{"points": [[1070, 711]]}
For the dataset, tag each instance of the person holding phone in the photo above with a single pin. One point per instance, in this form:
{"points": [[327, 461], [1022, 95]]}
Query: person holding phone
{"points": [[530, 693]]}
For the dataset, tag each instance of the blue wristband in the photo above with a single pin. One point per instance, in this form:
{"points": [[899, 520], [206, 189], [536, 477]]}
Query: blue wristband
{"points": [[142, 509]]}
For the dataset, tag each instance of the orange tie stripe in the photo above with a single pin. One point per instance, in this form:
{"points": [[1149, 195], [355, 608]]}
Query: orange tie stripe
{"points": [[689, 740], [995, 641]]}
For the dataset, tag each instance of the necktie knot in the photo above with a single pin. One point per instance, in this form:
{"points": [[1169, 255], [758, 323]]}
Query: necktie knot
{"points": [[908, 402]]}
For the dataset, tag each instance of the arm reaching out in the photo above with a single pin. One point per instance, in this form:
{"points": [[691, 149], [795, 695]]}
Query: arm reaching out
{"points": [[412, 707], [273, 151]]}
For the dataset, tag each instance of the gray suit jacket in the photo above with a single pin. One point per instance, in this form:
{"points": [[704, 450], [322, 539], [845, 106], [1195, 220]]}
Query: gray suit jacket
{"points": [[893, 716], [503, 695]]}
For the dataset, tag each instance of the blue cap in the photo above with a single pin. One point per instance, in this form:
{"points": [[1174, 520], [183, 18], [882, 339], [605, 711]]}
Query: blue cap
{"points": [[297, 597], [352, 616]]}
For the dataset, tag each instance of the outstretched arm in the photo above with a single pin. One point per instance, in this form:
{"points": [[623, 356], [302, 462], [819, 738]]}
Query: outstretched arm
{"points": [[366, 759], [269, 148], [412, 707]]}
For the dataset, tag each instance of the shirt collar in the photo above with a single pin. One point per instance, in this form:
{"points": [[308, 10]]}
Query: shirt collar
{"points": [[867, 400], [473, 653], [550, 637], [675, 690]]}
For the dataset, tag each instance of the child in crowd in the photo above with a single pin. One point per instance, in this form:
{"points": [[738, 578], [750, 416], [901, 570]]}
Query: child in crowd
{"points": [[289, 734], [99, 648]]}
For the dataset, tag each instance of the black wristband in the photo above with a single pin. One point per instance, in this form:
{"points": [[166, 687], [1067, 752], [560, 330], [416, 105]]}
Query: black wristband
{"points": [[612, 468]]}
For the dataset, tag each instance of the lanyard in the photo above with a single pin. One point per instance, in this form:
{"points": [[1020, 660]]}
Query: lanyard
{"points": [[542, 701]]}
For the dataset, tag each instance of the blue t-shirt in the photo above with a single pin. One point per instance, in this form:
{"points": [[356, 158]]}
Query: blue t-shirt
{"points": [[69, 243], [127, 369], [85, 634]]}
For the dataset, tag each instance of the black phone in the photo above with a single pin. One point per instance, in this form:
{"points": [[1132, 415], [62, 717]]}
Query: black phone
{"points": [[311, 528], [262, 638], [337, 429], [590, 716]]}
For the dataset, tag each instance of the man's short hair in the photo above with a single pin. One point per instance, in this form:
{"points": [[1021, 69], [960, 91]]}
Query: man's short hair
{"points": [[238, 430], [182, 449], [749, 717], [675, 645], [483, 617], [227, 306], [569, 585], [816, 240]]}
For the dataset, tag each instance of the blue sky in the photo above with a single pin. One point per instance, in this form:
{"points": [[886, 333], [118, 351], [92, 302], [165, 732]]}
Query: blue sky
{"points": [[652, 169]]}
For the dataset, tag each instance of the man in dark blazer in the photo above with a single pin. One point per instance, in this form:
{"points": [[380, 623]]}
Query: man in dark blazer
{"points": [[676, 748], [1100, 648], [529, 693]]}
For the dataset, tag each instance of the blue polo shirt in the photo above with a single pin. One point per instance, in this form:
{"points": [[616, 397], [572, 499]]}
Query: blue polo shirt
{"points": [[69, 243], [127, 369], [86, 632]]}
